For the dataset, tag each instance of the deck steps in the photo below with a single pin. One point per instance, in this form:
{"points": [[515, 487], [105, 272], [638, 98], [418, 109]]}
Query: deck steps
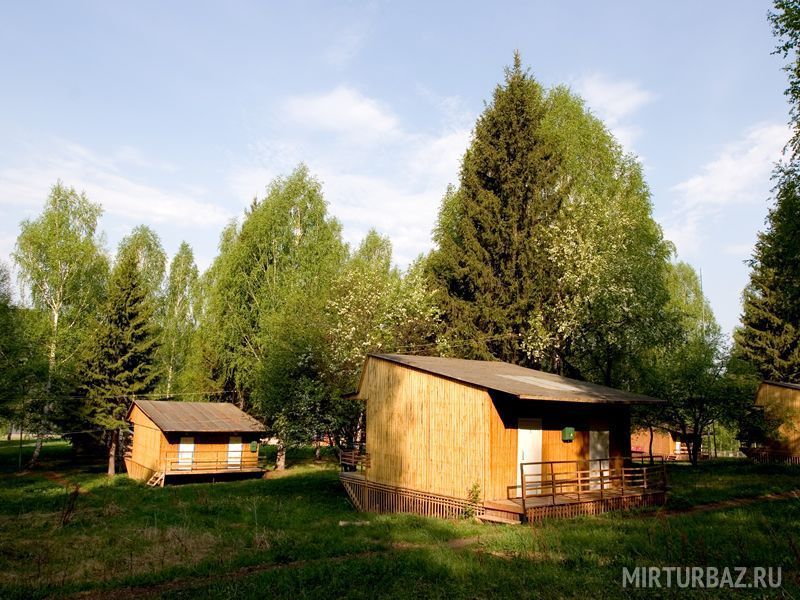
{"points": [[156, 480], [498, 520]]}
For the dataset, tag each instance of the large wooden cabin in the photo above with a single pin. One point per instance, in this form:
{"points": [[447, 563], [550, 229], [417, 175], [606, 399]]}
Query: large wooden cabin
{"points": [[197, 440], [446, 435], [781, 405]]}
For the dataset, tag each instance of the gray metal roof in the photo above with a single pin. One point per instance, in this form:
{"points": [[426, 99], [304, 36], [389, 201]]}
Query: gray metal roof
{"points": [[791, 386], [525, 384], [171, 416]]}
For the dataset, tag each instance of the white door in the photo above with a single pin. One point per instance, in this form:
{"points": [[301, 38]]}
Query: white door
{"points": [[186, 453], [598, 449], [529, 449], [235, 452]]}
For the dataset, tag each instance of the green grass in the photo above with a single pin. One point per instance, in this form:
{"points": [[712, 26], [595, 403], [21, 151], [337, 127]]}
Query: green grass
{"points": [[724, 479], [201, 537]]}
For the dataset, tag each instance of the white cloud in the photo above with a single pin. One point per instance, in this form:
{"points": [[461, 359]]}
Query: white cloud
{"points": [[374, 172], [102, 178], [740, 174], [615, 102], [343, 111]]}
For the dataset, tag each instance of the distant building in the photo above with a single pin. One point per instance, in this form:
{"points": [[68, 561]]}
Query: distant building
{"points": [[780, 403], [178, 440]]}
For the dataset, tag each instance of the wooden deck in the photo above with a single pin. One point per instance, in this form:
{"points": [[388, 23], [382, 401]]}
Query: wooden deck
{"points": [[182, 466], [552, 490]]}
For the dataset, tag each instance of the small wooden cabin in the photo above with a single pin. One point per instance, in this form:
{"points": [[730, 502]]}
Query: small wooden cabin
{"points": [[671, 445], [441, 432], [663, 443], [178, 440], [781, 405]]}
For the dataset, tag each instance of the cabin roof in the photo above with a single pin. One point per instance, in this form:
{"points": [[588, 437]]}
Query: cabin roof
{"points": [[171, 416], [525, 384], [791, 386]]}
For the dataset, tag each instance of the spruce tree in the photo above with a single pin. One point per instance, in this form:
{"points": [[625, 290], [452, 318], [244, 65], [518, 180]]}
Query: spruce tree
{"points": [[489, 258], [770, 334], [547, 253], [120, 363]]}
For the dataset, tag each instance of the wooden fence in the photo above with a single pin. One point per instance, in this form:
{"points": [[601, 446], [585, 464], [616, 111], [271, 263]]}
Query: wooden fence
{"points": [[370, 496], [764, 456]]}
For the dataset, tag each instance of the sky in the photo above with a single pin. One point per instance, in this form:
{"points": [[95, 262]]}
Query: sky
{"points": [[176, 115]]}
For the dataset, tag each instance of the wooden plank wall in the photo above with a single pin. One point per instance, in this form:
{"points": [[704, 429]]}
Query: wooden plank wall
{"points": [[555, 449], [424, 432], [782, 404], [501, 473], [148, 442]]}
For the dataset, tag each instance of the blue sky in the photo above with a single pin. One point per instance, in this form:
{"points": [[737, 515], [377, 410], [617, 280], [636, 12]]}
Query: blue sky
{"points": [[176, 114]]}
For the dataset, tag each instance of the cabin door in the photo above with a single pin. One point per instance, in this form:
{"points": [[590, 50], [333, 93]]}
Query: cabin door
{"points": [[598, 457], [529, 450], [186, 453], [235, 452]]}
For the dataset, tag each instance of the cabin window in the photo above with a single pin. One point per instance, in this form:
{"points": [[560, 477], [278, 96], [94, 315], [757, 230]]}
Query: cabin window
{"points": [[186, 453], [235, 452]]}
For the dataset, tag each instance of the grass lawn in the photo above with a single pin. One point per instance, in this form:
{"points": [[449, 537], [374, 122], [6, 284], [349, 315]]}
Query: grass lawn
{"points": [[281, 537]]}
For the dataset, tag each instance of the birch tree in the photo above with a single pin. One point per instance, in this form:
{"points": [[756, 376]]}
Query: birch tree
{"points": [[63, 270], [178, 321]]}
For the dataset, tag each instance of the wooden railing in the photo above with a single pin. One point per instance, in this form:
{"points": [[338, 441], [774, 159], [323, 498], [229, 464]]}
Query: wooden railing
{"points": [[768, 456], [578, 480], [352, 459], [205, 461]]}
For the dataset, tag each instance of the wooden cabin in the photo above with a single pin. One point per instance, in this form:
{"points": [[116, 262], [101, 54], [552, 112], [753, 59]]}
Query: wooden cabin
{"points": [[191, 440], [671, 445], [663, 443], [509, 443], [781, 405]]}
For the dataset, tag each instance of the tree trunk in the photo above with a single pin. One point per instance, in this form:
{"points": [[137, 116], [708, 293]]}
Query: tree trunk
{"points": [[280, 458], [694, 451], [51, 365], [317, 449], [651, 444], [37, 450], [169, 380], [112, 453]]}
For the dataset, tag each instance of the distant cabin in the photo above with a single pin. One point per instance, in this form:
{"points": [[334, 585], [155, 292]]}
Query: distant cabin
{"points": [[781, 405], [671, 445], [202, 440], [663, 443], [443, 434]]}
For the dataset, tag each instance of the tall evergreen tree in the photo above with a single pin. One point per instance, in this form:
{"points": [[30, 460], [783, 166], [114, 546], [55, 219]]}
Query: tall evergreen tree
{"points": [[120, 361], [490, 259], [547, 253], [769, 337], [770, 334]]}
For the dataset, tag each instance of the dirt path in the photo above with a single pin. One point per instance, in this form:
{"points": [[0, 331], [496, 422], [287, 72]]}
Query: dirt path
{"points": [[193, 582], [732, 503]]}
